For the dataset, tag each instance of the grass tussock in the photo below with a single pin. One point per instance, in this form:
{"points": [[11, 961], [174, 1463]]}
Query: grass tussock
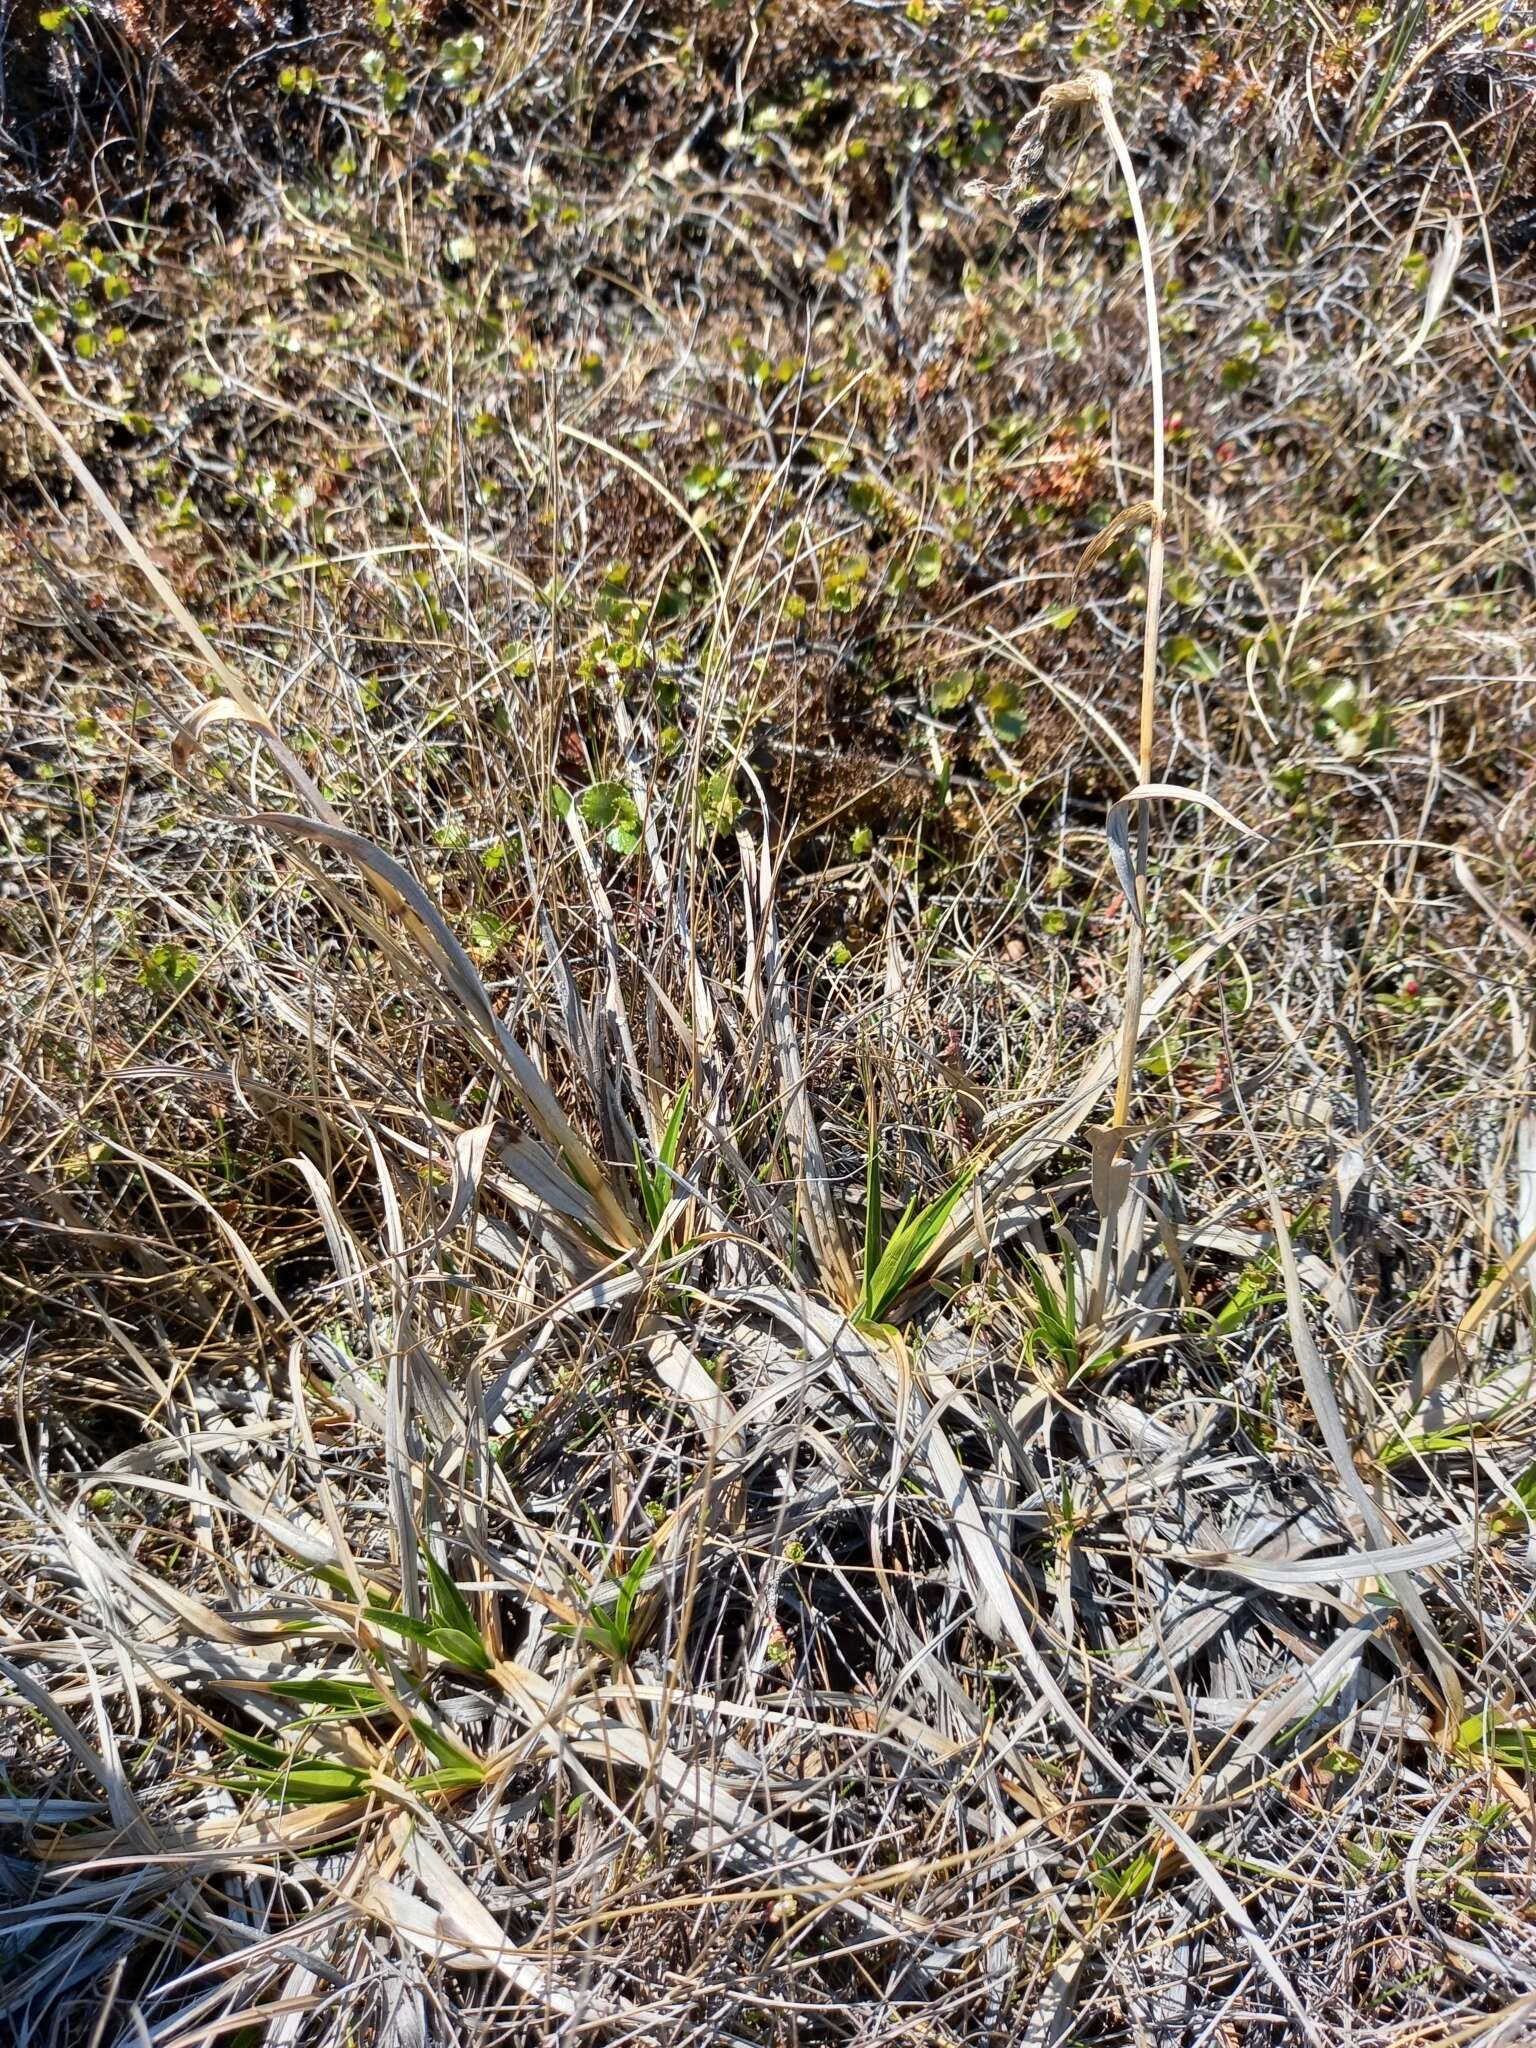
{"points": [[767, 1127]]}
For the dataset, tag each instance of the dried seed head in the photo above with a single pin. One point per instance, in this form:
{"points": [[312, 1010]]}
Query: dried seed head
{"points": [[1089, 88], [1142, 513]]}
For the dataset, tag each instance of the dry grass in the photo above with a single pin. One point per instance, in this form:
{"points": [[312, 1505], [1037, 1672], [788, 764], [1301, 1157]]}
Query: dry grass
{"points": [[652, 1393]]}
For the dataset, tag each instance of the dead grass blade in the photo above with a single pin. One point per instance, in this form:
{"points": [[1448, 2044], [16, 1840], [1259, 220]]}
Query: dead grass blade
{"points": [[421, 918]]}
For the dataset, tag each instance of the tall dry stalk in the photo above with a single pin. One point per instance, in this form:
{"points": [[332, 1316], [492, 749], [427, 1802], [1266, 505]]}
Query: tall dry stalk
{"points": [[1092, 88]]}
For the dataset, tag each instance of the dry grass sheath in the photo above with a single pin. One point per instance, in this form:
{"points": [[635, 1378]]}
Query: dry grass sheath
{"points": [[661, 1383]]}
